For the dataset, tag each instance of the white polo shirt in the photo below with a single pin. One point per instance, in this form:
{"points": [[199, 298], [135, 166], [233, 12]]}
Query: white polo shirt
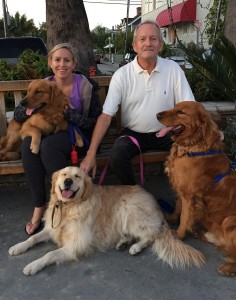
{"points": [[142, 96]]}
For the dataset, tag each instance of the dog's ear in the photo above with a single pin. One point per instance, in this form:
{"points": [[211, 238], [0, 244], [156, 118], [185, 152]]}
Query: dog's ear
{"points": [[209, 128], [87, 188], [55, 93], [53, 181], [58, 99]]}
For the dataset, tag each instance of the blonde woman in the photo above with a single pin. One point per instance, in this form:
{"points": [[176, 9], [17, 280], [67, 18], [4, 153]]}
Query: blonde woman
{"points": [[55, 149]]}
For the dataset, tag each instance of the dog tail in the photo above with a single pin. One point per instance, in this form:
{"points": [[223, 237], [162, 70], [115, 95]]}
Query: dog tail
{"points": [[175, 252]]}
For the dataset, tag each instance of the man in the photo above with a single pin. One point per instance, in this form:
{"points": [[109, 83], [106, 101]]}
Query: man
{"points": [[142, 88]]}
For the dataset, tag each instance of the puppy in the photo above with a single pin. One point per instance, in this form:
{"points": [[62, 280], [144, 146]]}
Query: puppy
{"points": [[83, 217], [203, 178], [45, 104]]}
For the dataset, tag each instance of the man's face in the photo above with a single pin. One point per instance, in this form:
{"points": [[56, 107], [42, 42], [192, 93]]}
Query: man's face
{"points": [[147, 44]]}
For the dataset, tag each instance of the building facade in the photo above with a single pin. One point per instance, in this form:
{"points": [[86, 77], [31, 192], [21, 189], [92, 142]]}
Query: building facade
{"points": [[185, 19], [132, 22]]}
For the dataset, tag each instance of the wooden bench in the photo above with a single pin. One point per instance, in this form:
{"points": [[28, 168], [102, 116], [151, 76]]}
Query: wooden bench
{"points": [[18, 88]]}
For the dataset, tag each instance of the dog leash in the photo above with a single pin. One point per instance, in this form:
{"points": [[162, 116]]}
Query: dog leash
{"points": [[134, 140], [57, 205]]}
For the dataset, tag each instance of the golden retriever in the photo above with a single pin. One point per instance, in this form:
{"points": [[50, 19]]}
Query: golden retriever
{"points": [[203, 178], [83, 217], [45, 103]]}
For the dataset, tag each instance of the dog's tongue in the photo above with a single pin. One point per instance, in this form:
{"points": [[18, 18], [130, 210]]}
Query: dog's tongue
{"points": [[164, 131], [29, 111], [67, 193]]}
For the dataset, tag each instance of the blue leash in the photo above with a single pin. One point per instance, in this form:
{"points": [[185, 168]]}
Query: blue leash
{"points": [[166, 206]]}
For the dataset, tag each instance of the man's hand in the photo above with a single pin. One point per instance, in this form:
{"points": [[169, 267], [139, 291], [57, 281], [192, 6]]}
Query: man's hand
{"points": [[89, 163]]}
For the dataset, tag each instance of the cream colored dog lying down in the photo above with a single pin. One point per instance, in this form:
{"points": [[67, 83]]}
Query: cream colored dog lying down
{"points": [[83, 217]]}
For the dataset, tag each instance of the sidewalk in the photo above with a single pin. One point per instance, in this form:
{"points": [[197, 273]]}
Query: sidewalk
{"points": [[110, 275]]}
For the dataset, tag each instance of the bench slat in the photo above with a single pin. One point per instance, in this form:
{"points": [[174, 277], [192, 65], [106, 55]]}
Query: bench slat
{"points": [[3, 123], [15, 167], [18, 97]]}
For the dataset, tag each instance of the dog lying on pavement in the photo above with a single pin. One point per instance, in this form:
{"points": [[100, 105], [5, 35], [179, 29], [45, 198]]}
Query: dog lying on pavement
{"points": [[83, 217]]}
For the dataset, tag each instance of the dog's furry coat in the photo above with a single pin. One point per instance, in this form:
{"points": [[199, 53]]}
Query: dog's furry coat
{"points": [[83, 217], [196, 160], [45, 103]]}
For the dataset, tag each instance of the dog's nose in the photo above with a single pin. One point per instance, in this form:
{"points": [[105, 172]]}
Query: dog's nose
{"points": [[68, 182], [23, 102], [159, 115]]}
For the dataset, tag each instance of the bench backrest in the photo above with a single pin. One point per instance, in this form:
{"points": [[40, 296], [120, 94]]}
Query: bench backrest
{"points": [[18, 87]]}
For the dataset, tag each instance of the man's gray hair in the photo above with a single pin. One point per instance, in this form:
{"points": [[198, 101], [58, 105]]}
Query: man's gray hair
{"points": [[151, 23]]}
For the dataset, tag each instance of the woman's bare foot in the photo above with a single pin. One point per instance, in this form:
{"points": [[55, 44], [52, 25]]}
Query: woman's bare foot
{"points": [[36, 221]]}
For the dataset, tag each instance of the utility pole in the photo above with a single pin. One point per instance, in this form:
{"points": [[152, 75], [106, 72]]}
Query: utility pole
{"points": [[217, 20], [5, 18], [126, 29]]}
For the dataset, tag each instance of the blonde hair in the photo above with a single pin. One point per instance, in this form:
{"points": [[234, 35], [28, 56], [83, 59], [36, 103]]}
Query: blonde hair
{"points": [[64, 46], [151, 23]]}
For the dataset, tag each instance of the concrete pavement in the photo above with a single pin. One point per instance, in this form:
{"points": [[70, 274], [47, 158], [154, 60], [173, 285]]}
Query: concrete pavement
{"points": [[110, 275]]}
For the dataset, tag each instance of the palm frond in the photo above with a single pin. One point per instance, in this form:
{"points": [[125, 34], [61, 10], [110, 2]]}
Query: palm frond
{"points": [[218, 65]]}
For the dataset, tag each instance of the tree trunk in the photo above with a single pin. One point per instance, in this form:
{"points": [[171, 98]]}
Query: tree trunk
{"points": [[230, 21], [67, 22]]}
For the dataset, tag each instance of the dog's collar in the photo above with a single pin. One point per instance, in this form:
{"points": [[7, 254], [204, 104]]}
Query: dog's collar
{"points": [[210, 152], [213, 152]]}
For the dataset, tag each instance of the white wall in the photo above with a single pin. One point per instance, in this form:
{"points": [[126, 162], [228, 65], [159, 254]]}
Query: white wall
{"points": [[186, 31]]}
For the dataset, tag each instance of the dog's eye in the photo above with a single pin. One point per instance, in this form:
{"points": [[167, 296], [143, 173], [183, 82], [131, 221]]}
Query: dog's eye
{"points": [[38, 92], [180, 112], [77, 176]]}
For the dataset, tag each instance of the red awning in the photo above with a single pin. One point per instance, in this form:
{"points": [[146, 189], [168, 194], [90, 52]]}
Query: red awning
{"points": [[184, 11]]}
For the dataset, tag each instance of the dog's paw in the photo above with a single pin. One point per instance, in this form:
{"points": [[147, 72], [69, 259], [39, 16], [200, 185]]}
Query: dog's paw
{"points": [[32, 268], [17, 249], [135, 249], [227, 269], [34, 149], [181, 234]]}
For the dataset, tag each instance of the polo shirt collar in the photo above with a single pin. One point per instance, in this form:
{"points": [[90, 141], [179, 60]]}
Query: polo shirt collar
{"points": [[138, 69]]}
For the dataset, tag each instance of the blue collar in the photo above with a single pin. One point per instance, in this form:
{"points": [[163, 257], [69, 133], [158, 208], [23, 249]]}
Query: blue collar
{"points": [[213, 152], [210, 152]]}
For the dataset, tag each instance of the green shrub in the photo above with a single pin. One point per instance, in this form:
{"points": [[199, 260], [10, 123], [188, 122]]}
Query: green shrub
{"points": [[31, 65]]}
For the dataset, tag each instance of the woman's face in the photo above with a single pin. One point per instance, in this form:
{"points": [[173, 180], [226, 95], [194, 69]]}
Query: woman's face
{"points": [[62, 63]]}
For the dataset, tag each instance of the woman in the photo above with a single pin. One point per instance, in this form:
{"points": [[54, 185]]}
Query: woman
{"points": [[55, 150]]}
